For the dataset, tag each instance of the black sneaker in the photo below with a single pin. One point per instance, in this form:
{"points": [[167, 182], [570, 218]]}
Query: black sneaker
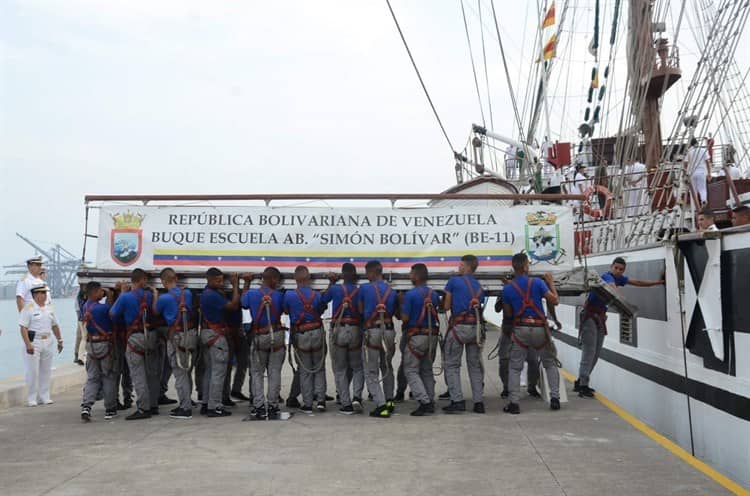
{"points": [[505, 393], [204, 409], [390, 406], [110, 414], [306, 409], [455, 407], [399, 397], [329, 398], [138, 415], [227, 403], [78, 361], [479, 407], [576, 385], [512, 408], [154, 410], [420, 411], [259, 413], [293, 403], [86, 413], [445, 396], [430, 407], [321, 406], [239, 396], [357, 405], [219, 412], [274, 413], [534, 393], [163, 400], [585, 392], [179, 413], [174, 410], [381, 412], [346, 410], [554, 404]]}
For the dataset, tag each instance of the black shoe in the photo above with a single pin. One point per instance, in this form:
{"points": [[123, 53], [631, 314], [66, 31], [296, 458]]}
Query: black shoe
{"points": [[227, 403], [219, 412], [357, 404], [455, 407], [512, 408], [321, 406], [381, 412], [329, 398], [110, 414], [259, 413], [445, 396], [163, 400], [86, 413], [479, 407], [534, 393], [576, 386], [78, 361], [154, 410], [138, 415], [346, 410], [293, 403], [174, 410], [390, 406], [554, 404], [306, 409], [585, 392], [505, 393], [204, 409], [179, 413], [420, 411], [239, 396], [399, 397], [429, 407]]}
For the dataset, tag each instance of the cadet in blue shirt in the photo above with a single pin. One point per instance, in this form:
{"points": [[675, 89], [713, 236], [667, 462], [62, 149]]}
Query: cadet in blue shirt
{"points": [[346, 336], [378, 304], [99, 347], [176, 307], [304, 306], [420, 318], [135, 307], [267, 349], [464, 296], [214, 346], [524, 314], [594, 327]]}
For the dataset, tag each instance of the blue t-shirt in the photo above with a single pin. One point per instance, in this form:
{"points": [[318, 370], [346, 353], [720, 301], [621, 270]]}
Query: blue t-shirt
{"points": [[294, 306], [128, 306], [538, 289], [212, 306], [168, 304], [461, 295], [336, 295], [594, 300], [369, 298], [414, 304], [96, 316], [252, 299]]}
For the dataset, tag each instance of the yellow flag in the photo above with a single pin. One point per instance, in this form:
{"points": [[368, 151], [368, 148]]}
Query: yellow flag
{"points": [[549, 18]]}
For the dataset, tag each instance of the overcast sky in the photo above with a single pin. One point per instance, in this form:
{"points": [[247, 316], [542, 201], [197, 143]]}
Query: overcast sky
{"points": [[180, 96]]}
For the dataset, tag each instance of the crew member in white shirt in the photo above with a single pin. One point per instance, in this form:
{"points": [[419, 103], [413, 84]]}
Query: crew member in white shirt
{"points": [[734, 172], [636, 187], [698, 169], [23, 287], [38, 324], [706, 221]]}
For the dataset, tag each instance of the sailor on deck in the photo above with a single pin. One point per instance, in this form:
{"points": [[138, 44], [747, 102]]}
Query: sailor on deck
{"points": [[698, 169], [38, 322], [214, 346], [465, 298], [346, 337], [377, 305], [420, 319], [523, 316], [100, 362], [594, 324], [31, 279]]}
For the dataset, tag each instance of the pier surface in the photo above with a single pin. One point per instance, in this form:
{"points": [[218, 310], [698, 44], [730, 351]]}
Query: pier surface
{"points": [[583, 449]]}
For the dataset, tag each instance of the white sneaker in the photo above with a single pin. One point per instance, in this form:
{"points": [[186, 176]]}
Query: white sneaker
{"points": [[47, 402], [32, 403]]}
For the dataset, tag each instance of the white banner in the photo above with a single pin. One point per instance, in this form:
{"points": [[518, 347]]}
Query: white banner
{"points": [[252, 238]]}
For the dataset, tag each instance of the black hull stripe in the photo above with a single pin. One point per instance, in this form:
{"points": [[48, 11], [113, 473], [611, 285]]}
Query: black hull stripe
{"points": [[726, 401]]}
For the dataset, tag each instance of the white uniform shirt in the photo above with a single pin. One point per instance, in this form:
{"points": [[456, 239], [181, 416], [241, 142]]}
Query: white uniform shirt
{"points": [[38, 319], [23, 287], [637, 174], [696, 159], [734, 172], [553, 179]]}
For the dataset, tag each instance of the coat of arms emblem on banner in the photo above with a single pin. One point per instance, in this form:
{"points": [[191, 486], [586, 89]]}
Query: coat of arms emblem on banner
{"points": [[126, 238], [542, 236]]}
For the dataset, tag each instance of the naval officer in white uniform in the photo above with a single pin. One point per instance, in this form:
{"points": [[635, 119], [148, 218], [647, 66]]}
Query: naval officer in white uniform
{"points": [[23, 287], [38, 324]]}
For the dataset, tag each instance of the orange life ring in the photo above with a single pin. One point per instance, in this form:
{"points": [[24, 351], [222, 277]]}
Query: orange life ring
{"points": [[597, 213]]}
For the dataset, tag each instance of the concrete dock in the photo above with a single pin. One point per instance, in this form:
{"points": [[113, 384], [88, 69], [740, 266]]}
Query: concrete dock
{"points": [[583, 449]]}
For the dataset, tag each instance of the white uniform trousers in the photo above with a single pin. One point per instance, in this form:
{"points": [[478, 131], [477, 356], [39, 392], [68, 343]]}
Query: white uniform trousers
{"points": [[39, 369]]}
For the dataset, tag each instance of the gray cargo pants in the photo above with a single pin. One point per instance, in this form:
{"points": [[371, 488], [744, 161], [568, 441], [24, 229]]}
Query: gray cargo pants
{"points": [[467, 338], [592, 340], [532, 372], [417, 358], [183, 381], [346, 353], [143, 371], [531, 339], [215, 358], [100, 372], [266, 357], [380, 346], [310, 348]]}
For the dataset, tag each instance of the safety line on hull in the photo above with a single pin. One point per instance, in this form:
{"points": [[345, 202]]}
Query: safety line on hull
{"points": [[670, 446]]}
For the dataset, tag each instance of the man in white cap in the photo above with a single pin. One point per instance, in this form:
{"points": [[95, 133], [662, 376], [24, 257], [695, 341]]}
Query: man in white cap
{"points": [[23, 287], [38, 324]]}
